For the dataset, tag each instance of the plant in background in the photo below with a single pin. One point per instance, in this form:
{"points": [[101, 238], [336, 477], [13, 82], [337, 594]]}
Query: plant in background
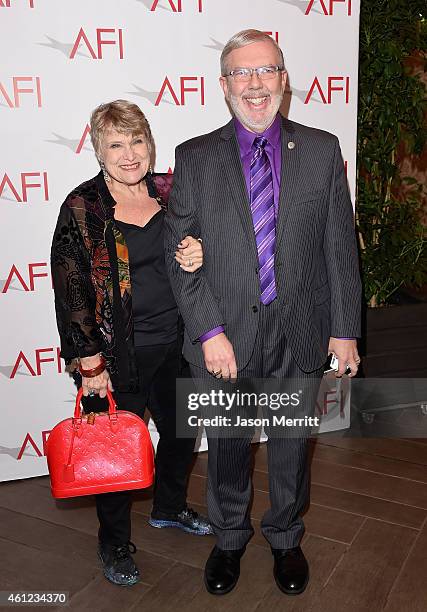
{"points": [[392, 110]]}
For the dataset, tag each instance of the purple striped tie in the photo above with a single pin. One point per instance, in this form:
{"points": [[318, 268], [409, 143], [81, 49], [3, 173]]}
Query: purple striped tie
{"points": [[262, 209]]}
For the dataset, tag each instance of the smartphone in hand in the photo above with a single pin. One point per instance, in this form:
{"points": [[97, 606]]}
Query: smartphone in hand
{"points": [[331, 365]]}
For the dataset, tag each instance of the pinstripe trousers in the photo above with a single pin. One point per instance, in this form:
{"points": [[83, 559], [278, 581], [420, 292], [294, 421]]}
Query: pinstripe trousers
{"points": [[229, 489]]}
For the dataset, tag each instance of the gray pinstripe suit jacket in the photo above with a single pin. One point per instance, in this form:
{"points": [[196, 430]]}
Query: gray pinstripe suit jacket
{"points": [[316, 263]]}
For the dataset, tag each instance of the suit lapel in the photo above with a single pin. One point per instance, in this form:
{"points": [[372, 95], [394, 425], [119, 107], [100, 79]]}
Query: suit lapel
{"points": [[229, 156], [289, 174]]}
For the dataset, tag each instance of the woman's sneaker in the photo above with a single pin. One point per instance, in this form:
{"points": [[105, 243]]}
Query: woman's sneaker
{"points": [[118, 564], [188, 520]]}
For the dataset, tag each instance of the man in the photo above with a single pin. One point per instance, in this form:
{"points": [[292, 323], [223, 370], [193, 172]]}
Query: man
{"points": [[279, 289]]}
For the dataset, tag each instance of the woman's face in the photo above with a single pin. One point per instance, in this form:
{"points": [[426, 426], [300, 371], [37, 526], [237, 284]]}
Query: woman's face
{"points": [[126, 157]]}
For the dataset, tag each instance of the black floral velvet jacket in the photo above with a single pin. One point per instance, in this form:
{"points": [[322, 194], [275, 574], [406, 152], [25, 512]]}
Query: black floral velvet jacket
{"points": [[91, 278]]}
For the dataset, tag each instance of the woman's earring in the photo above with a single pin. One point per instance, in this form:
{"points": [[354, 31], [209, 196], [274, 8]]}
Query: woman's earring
{"points": [[104, 171], [150, 169]]}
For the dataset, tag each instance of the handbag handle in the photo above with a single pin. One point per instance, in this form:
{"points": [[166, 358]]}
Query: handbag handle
{"points": [[78, 431], [111, 404]]}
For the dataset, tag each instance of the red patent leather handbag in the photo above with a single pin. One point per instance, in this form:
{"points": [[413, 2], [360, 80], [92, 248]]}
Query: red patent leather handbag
{"points": [[99, 452]]}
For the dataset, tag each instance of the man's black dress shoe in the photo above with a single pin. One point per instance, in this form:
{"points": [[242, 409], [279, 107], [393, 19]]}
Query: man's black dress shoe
{"points": [[290, 570], [222, 570]]}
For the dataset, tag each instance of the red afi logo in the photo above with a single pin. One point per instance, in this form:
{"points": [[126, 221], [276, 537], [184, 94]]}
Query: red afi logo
{"points": [[82, 38], [13, 98], [20, 192], [182, 90], [325, 5], [16, 275], [334, 84], [29, 440], [23, 360]]}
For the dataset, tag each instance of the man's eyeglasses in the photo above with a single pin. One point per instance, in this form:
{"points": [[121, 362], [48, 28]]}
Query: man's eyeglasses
{"points": [[244, 75]]}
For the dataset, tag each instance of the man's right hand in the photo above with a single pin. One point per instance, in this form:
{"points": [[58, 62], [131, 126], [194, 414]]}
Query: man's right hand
{"points": [[219, 357]]}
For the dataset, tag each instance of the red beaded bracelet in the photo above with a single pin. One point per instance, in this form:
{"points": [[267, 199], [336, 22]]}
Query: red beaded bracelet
{"points": [[92, 372]]}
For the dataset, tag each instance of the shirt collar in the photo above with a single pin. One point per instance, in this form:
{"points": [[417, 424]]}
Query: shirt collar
{"points": [[245, 138]]}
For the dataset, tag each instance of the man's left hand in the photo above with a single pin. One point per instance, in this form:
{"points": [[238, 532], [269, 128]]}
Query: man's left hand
{"points": [[346, 353]]}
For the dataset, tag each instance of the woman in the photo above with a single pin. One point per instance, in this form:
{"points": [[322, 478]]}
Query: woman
{"points": [[116, 314]]}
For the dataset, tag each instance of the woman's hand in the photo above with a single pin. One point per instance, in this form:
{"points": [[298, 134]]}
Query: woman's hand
{"points": [[190, 254], [97, 384]]}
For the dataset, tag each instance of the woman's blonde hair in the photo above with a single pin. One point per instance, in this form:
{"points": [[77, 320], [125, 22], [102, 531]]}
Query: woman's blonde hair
{"points": [[123, 116]]}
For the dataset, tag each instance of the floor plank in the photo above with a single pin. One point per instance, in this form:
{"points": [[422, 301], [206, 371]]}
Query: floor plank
{"points": [[410, 588], [366, 573], [99, 595], [402, 450], [179, 590], [364, 461], [78, 513], [364, 505], [364, 482], [29, 569]]}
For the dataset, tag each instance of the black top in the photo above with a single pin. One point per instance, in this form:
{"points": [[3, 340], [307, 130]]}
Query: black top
{"points": [[155, 313]]}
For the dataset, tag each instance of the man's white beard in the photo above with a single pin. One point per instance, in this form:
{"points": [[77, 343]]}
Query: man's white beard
{"points": [[256, 126]]}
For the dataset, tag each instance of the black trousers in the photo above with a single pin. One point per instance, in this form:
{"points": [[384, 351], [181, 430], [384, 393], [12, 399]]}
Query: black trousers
{"points": [[158, 368], [229, 459]]}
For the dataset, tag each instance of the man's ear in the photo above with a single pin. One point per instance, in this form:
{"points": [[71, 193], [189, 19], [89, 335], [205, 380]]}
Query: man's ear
{"points": [[224, 85], [284, 79]]}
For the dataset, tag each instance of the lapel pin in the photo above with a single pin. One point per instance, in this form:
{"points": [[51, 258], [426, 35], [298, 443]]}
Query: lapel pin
{"points": [[291, 145]]}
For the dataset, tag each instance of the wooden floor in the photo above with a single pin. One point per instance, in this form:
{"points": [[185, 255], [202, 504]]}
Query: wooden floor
{"points": [[366, 540]]}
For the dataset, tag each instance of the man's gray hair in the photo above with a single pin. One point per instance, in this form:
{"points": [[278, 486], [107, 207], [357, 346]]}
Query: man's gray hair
{"points": [[246, 37]]}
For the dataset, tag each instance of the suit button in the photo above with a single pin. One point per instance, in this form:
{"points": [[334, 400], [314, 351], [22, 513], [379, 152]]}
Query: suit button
{"points": [[254, 308], [256, 271]]}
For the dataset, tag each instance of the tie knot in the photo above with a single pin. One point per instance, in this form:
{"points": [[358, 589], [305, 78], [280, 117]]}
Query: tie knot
{"points": [[260, 142]]}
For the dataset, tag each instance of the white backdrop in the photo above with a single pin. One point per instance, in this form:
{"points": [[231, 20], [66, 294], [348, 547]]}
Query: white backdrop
{"points": [[60, 59]]}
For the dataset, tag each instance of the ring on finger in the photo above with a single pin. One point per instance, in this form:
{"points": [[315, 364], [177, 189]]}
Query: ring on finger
{"points": [[92, 392], [190, 263]]}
